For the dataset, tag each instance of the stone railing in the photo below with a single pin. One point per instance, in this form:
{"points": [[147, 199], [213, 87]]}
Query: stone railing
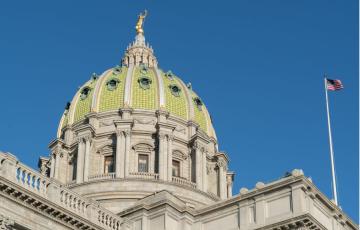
{"points": [[56, 194], [31, 180], [183, 181], [145, 175], [102, 176]]}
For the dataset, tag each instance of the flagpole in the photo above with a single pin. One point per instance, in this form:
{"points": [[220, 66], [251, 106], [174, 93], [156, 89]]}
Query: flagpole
{"points": [[331, 144]]}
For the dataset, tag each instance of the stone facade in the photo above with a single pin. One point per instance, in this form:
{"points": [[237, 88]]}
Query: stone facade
{"points": [[136, 150]]}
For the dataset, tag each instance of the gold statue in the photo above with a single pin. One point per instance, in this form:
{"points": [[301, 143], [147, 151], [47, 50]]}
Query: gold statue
{"points": [[140, 22]]}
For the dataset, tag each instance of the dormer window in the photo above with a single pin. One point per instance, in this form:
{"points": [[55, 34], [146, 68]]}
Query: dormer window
{"points": [[112, 84], [198, 103], [143, 69], [117, 70], [144, 82], [175, 90], [94, 76], [85, 93], [169, 75]]}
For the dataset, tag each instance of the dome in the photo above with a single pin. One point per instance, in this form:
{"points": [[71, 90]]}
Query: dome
{"points": [[138, 84], [136, 130]]}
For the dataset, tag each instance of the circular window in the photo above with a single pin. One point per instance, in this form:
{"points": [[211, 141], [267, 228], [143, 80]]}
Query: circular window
{"points": [[144, 82], [175, 90], [198, 103], [117, 70], [85, 93], [112, 84]]}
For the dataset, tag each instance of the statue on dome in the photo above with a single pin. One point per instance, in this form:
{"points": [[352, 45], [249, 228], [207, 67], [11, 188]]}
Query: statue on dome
{"points": [[140, 22]]}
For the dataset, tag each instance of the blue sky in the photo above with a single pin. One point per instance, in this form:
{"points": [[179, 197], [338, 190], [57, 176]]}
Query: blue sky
{"points": [[257, 65]]}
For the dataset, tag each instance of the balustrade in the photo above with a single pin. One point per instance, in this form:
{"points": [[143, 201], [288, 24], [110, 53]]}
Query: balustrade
{"points": [[31, 179], [57, 193], [144, 175], [102, 176], [183, 181]]}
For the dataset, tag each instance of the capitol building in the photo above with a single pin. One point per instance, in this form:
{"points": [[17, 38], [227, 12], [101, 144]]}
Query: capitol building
{"points": [[136, 150]]}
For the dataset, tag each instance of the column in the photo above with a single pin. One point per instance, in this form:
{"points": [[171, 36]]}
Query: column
{"points": [[86, 158], [120, 155], [80, 161], [52, 166], [127, 153], [57, 165], [198, 168], [229, 186], [222, 180], [169, 157], [204, 174], [162, 154]]}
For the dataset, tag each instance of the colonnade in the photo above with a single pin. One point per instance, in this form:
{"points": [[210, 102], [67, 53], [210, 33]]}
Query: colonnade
{"points": [[165, 161]]}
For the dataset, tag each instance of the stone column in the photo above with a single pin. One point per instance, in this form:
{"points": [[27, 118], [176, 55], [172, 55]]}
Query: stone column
{"points": [[120, 154], [222, 179], [127, 153], [87, 159], [203, 168], [229, 183], [169, 157], [57, 165], [80, 161], [198, 168], [52, 166], [162, 158]]}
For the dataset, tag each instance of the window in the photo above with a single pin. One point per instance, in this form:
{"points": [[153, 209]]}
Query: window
{"points": [[169, 75], [176, 168], [112, 84], [85, 93], [117, 70], [144, 82], [143, 163], [74, 168], [198, 103], [175, 90], [109, 164]]}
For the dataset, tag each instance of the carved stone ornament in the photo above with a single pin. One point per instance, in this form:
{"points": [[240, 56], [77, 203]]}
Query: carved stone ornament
{"points": [[180, 129], [180, 155], [119, 133], [143, 147], [127, 133], [222, 163], [6, 223], [162, 136], [106, 123], [144, 121], [44, 169]]}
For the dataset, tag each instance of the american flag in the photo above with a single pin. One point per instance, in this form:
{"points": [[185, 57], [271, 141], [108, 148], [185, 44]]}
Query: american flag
{"points": [[334, 84]]}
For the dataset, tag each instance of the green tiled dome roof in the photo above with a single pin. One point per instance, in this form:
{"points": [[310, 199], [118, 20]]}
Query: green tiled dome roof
{"points": [[140, 86]]}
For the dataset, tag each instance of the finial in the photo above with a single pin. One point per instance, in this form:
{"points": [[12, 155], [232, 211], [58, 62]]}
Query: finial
{"points": [[140, 22]]}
